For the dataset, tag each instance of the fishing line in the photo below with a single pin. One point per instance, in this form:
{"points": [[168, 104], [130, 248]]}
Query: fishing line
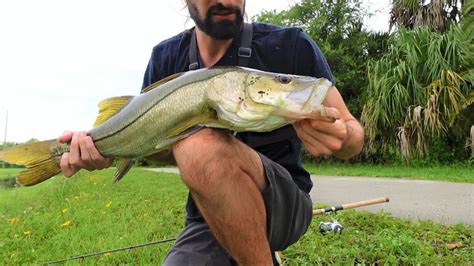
{"points": [[108, 251], [315, 212]]}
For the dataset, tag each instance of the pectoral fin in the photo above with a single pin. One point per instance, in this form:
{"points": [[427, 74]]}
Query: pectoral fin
{"points": [[201, 119], [167, 142], [187, 128]]}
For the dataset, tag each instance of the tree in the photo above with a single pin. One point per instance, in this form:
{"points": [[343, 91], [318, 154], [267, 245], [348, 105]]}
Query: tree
{"points": [[337, 28], [420, 92], [434, 14]]}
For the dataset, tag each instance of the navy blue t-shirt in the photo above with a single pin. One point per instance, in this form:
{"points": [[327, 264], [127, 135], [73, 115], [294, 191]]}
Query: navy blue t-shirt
{"points": [[274, 49]]}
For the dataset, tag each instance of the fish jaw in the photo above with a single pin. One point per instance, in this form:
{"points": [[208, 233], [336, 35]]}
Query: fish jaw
{"points": [[306, 103]]}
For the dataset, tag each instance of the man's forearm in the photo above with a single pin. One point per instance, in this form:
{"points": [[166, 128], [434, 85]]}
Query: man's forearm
{"points": [[354, 142]]}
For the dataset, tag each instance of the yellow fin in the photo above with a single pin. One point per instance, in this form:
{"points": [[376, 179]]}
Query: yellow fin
{"points": [[168, 142], [31, 153], [161, 82], [109, 107], [41, 159], [39, 172], [123, 166], [191, 122]]}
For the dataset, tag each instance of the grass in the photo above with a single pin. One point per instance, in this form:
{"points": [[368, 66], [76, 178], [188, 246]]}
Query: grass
{"points": [[62, 217], [6, 172], [7, 176], [453, 173]]}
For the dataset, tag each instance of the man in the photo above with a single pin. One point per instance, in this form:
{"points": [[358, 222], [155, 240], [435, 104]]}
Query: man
{"points": [[248, 192]]}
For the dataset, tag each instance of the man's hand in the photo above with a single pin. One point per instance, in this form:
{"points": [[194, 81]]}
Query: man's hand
{"points": [[341, 136], [322, 136], [82, 154]]}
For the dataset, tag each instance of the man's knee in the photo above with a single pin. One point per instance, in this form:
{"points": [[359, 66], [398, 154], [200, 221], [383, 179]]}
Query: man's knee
{"points": [[204, 157]]}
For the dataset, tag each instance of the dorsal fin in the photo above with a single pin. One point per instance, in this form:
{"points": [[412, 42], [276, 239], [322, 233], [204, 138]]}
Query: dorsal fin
{"points": [[109, 107], [161, 82]]}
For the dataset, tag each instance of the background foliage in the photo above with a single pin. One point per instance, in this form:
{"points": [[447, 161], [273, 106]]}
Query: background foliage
{"points": [[412, 87], [337, 28]]}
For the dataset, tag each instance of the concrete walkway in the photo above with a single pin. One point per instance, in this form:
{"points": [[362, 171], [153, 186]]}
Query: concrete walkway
{"points": [[442, 202]]}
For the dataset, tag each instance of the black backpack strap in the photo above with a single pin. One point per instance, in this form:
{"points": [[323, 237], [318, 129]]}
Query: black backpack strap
{"points": [[244, 53], [193, 59], [245, 50]]}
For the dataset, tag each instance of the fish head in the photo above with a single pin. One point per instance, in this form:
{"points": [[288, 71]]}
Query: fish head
{"points": [[255, 100], [291, 96]]}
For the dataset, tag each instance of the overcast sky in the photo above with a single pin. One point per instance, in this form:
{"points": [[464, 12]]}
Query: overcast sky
{"points": [[59, 58]]}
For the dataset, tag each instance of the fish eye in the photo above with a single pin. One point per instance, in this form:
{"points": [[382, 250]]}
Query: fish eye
{"points": [[284, 79]]}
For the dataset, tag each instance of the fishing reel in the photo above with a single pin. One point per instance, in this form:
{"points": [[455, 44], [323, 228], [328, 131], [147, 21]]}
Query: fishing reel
{"points": [[334, 226]]}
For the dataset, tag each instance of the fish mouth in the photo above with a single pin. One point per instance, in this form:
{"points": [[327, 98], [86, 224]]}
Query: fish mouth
{"points": [[307, 102], [304, 99]]}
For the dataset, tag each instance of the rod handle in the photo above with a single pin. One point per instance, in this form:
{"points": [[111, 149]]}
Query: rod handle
{"points": [[352, 205]]}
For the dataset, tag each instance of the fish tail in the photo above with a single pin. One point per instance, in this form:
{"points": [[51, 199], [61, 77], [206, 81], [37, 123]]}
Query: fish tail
{"points": [[40, 158]]}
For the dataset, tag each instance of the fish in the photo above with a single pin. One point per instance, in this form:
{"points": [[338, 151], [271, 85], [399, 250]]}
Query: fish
{"points": [[131, 127]]}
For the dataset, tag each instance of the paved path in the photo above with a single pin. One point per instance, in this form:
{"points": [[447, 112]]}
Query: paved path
{"points": [[443, 202]]}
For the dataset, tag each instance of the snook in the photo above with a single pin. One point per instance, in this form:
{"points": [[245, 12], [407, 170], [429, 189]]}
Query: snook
{"points": [[235, 98]]}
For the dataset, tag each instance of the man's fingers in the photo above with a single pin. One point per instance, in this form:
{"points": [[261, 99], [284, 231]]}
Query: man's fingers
{"points": [[85, 156], [337, 129], [314, 147], [100, 162], [65, 137], [324, 114], [66, 168], [74, 151], [325, 143], [331, 112]]}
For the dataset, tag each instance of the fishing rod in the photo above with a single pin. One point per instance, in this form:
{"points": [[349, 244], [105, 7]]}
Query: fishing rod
{"points": [[335, 226], [350, 205], [329, 227]]}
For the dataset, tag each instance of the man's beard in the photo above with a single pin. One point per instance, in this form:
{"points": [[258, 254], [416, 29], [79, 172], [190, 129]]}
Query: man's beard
{"points": [[220, 30]]}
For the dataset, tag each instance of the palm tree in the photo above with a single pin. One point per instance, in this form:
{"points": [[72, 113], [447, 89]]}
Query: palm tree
{"points": [[421, 90], [435, 14]]}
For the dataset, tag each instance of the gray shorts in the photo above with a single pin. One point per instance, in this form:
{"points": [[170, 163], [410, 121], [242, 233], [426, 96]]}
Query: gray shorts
{"points": [[289, 214]]}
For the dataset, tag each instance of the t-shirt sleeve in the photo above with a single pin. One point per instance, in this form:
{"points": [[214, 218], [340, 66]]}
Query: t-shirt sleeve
{"points": [[309, 60], [152, 72]]}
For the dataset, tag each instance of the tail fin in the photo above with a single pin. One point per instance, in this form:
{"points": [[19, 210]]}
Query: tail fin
{"points": [[41, 159]]}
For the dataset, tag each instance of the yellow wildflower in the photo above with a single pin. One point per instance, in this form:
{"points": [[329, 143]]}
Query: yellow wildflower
{"points": [[107, 254], [109, 204], [64, 210], [14, 220], [27, 233], [66, 223]]}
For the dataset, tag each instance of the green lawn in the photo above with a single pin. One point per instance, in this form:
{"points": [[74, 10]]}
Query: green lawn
{"points": [[9, 171], [65, 217], [453, 173]]}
